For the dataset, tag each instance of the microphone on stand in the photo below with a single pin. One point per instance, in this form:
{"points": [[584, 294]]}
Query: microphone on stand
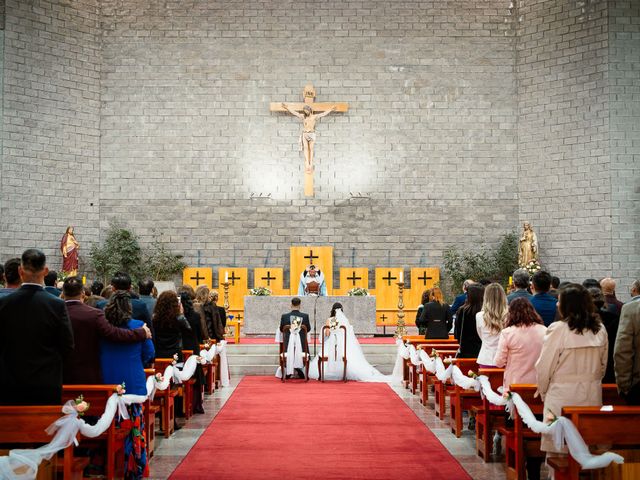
{"points": [[315, 338]]}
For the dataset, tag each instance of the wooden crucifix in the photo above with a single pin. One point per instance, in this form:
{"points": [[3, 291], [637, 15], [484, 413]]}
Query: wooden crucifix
{"points": [[306, 111]]}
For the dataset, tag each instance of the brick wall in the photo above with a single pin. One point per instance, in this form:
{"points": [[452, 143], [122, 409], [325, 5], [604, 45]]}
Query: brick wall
{"points": [[563, 132], [464, 121], [51, 118], [187, 135], [624, 118]]}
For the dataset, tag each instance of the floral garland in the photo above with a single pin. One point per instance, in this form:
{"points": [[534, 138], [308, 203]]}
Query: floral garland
{"points": [[358, 292]]}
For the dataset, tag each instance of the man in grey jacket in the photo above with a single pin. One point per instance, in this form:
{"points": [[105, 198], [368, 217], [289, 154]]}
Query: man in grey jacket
{"points": [[626, 355]]}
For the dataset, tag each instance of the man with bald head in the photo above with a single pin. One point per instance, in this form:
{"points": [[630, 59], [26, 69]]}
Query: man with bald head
{"points": [[608, 286]]}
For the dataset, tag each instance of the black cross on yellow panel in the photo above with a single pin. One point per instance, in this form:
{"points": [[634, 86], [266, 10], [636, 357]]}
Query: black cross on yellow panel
{"points": [[196, 276], [387, 288], [270, 278], [422, 278], [353, 278]]}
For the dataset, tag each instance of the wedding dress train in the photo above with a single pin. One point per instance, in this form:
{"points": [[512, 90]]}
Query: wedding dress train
{"points": [[358, 368]]}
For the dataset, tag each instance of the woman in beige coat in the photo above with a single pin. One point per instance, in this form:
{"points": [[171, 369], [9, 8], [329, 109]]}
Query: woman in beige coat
{"points": [[573, 358]]}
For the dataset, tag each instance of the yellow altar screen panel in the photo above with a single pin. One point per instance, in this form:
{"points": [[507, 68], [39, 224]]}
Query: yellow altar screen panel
{"points": [[271, 278], [352, 278], [301, 257], [422, 279], [196, 276], [386, 288], [237, 287]]}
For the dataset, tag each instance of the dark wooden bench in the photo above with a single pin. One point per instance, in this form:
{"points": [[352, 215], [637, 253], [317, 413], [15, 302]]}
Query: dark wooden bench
{"points": [[210, 371], [461, 399], [428, 348], [188, 386], [619, 427], [488, 418], [165, 399], [441, 389], [521, 441], [427, 378], [25, 426], [150, 412], [113, 438], [417, 341]]}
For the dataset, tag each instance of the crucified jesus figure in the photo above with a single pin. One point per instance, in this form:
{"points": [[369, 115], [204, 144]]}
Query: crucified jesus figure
{"points": [[308, 135]]}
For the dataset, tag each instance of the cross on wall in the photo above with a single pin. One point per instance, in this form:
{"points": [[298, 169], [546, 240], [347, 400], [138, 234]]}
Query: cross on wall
{"points": [[311, 256], [197, 278], [353, 278], [268, 278], [424, 278], [388, 278]]}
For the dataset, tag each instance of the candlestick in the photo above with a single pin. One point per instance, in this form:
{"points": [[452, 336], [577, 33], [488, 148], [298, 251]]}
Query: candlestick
{"points": [[401, 328]]}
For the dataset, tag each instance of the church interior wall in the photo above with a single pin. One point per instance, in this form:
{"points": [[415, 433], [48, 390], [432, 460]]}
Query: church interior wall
{"points": [[464, 120], [51, 123]]}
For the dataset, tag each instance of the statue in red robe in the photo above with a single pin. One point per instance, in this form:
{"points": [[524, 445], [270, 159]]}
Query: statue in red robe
{"points": [[69, 247]]}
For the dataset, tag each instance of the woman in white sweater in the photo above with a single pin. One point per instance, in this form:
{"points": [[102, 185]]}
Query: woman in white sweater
{"points": [[490, 322]]}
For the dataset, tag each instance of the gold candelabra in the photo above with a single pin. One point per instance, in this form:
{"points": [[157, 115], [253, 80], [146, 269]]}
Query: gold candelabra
{"points": [[401, 328], [225, 285]]}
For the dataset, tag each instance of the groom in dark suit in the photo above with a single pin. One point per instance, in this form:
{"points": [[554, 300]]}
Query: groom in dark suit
{"points": [[286, 320]]}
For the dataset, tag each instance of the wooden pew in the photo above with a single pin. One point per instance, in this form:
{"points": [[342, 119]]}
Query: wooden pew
{"points": [[97, 396], [441, 390], [150, 411], [25, 426], [522, 442], [414, 370], [408, 374], [488, 419], [461, 400], [428, 378], [619, 427], [188, 387], [165, 399], [210, 370]]}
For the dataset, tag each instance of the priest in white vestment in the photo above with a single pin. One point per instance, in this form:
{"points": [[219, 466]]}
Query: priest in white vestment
{"points": [[312, 282]]}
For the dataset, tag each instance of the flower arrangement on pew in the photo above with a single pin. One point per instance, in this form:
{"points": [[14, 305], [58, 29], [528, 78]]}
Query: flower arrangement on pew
{"points": [[333, 324], [81, 406], [120, 390]]}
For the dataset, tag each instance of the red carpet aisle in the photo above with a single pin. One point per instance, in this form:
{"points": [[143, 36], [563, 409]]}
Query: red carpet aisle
{"points": [[270, 430]]}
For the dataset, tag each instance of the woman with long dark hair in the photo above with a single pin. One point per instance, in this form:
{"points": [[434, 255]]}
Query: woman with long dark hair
{"points": [[191, 340], [465, 329], [124, 363], [573, 359], [169, 325]]}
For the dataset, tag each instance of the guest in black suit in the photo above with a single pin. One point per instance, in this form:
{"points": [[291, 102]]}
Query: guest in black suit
{"points": [[286, 320], [89, 325], [50, 280], [139, 311], [35, 338], [436, 316]]}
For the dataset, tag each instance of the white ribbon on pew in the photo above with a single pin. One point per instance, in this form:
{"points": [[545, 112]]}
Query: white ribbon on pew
{"points": [[221, 351], [66, 428], [562, 429], [401, 355]]}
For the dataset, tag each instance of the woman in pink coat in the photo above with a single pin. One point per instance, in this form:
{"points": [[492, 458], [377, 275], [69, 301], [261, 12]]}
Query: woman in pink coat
{"points": [[573, 358], [520, 343]]}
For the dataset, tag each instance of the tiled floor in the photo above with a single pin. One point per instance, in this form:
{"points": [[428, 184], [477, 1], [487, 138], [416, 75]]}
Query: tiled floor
{"points": [[170, 452]]}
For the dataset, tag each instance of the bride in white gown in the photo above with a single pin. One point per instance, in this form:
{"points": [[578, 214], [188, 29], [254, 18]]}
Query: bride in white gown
{"points": [[358, 368]]}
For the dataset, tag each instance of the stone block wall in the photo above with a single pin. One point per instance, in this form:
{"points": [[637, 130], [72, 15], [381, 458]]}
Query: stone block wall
{"points": [[464, 121], [51, 124]]}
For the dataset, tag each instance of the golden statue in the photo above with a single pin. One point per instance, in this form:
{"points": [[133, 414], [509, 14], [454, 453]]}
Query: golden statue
{"points": [[528, 250], [69, 247]]}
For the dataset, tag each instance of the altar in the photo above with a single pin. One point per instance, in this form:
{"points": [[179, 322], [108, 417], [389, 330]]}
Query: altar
{"points": [[262, 314]]}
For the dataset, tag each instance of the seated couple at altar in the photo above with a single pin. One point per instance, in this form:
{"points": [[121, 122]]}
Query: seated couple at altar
{"points": [[358, 368]]}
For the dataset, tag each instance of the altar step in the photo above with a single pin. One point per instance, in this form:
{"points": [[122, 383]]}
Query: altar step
{"points": [[263, 359]]}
